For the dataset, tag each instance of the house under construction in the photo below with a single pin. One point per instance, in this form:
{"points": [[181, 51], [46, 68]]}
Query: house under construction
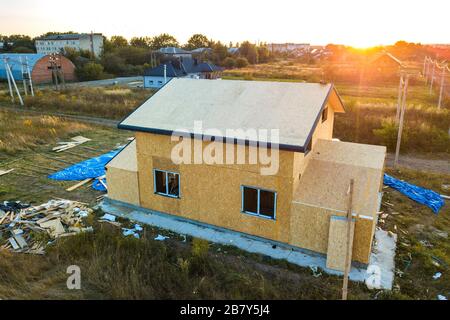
{"points": [[303, 204]]}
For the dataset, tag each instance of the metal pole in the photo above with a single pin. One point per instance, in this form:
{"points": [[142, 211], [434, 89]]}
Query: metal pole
{"points": [[165, 74], [9, 80], [14, 83], [24, 80], [29, 76], [400, 127], [399, 99], [442, 87]]}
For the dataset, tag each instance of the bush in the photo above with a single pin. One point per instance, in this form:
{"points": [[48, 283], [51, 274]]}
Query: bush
{"points": [[388, 134], [229, 63], [90, 71], [241, 62]]}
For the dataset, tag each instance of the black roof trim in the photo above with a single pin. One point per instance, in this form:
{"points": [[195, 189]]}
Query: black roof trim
{"points": [[281, 146]]}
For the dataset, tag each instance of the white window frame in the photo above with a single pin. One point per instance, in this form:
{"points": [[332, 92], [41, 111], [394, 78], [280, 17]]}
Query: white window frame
{"points": [[166, 194], [258, 205]]}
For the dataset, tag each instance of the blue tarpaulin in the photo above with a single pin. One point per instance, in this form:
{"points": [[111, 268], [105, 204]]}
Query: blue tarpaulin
{"points": [[424, 196], [91, 168]]}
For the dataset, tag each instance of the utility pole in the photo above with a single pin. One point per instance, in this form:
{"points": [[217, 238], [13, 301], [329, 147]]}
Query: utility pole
{"points": [[400, 127], [399, 99], [441, 90], [432, 77], [424, 66], [350, 227]]}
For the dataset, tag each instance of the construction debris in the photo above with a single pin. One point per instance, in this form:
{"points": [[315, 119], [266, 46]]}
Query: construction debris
{"points": [[437, 275], [70, 144], [160, 237], [56, 218], [3, 172], [134, 232]]}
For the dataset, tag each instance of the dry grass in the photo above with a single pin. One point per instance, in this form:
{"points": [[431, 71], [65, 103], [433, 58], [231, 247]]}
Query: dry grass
{"points": [[104, 102], [369, 122], [22, 132]]}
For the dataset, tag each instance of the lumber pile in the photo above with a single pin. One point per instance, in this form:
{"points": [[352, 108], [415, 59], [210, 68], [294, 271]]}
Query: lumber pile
{"points": [[75, 141], [29, 229]]}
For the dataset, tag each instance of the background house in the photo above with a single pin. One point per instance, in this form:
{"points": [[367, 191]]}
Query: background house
{"points": [[175, 52], [180, 67], [300, 204], [92, 42], [39, 65]]}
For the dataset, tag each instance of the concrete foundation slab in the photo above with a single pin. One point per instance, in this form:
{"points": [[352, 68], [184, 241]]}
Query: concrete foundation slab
{"points": [[379, 273]]}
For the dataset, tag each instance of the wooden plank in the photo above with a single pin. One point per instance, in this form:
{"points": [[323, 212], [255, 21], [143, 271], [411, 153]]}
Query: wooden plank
{"points": [[79, 184], [2, 172], [348, 256], [337, 242]]}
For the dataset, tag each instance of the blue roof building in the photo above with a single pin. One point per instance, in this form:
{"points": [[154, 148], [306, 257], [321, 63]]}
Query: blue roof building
{"points": [[15, 63], [182, 67]]}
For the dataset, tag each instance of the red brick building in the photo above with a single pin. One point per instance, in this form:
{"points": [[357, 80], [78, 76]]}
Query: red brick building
{"points": [[39, 65]]}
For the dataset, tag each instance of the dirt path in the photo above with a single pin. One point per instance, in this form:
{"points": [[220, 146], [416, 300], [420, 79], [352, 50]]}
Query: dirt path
{"points": [[88, 119], [417, 163]]}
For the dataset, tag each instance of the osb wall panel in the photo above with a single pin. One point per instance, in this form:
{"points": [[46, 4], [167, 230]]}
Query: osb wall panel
{"points": [[324, 130], [123, 185], [337, 242], [162, 146], [212, 193], [310, 229]]}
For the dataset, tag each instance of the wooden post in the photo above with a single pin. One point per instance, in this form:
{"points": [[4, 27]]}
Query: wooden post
{"points": [[348, 254], [400, 127]]}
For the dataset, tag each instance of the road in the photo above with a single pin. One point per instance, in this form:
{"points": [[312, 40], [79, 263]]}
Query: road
{"points": [[135, 81], [406, 161]]}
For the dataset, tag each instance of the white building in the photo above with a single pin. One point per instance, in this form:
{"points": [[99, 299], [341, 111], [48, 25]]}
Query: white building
{"points": [[288, 47], [56, 43]]}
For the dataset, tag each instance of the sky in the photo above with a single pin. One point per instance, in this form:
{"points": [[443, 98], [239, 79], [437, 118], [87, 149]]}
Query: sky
{"points": [[359, 23]]}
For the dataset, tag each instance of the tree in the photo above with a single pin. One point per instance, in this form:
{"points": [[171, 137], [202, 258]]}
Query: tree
{"points": [[90, 71], [141, 42], [241, 62], [263, 54], [197, 41], [248, 51], [20, 41], [229, 63], [163, 40], [119, 42], [219, 52]]}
